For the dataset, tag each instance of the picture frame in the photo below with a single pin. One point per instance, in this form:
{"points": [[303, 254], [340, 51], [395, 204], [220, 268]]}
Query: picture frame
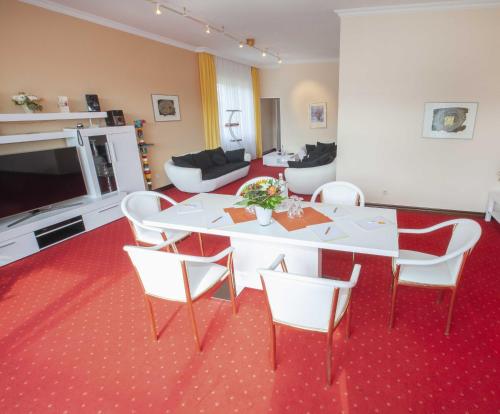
{"points": [[317, 115], [449, 120], [166, 107]]}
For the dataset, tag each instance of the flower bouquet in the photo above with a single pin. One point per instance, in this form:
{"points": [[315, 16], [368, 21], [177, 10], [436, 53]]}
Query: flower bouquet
{"points": [[28, 102], [265, 195]]}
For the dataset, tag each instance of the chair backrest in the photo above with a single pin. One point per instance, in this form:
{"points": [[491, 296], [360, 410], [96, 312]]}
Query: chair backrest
{"points": [[251, 181], [160, 272], [140, 204], [302, 301], [466, 234], [341, 193]]}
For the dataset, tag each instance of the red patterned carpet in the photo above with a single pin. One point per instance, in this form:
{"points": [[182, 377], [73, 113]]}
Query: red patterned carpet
{"points": [[75, 338]]}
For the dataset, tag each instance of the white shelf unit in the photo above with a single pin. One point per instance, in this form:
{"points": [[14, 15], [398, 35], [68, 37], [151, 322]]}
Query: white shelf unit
{"points": [[38, 136], [95, 209], [50, 116]]}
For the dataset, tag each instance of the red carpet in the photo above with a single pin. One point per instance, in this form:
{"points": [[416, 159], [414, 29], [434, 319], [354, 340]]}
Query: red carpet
{"points": [[74, 337]]}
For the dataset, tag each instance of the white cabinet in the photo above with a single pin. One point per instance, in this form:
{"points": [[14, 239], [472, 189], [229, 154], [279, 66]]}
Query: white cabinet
{"points": [[110, 159], [16, 248], [126, 161]]}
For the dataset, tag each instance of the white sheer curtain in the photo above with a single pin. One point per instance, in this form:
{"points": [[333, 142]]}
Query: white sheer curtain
{"points": [[235, 91]]}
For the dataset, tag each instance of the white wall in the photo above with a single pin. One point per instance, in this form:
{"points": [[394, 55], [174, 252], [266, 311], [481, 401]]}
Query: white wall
{"points": [[390, 65], [297, 86]]}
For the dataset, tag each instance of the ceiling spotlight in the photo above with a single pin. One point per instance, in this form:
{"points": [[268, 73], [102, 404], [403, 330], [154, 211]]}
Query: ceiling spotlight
{"points": [[280, 61], [241, 45], [158, 10], [264, 54], [207, 29]]}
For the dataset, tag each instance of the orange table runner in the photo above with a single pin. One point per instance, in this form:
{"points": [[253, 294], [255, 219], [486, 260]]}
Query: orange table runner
{"points": [[310, 217], [239, 215]]}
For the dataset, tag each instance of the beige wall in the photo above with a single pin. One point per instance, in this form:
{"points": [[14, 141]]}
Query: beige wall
{"points": [[297, 86], [53, 54], [390, 65]]}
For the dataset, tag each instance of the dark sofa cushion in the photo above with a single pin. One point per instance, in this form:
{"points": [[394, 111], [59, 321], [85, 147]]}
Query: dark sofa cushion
{"points": [[316, 162], [310, 148], [202, 160], [220, 170], [184, 161], [330, 147], [218, 156], [235, 155]]}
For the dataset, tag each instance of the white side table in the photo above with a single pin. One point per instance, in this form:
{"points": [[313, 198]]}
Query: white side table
{"points": [[493, 208], [274, 160]]}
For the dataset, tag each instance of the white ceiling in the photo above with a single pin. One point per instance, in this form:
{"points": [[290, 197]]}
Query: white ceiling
{"points": [[298, 30]]}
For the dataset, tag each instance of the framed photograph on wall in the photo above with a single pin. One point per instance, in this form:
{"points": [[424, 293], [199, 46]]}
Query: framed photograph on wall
{"points": [[166, 108], [449, 120], [317, 115]]}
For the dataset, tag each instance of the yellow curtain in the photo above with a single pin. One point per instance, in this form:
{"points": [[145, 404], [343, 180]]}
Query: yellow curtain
{"points": [[256, 104], [208, 84]]}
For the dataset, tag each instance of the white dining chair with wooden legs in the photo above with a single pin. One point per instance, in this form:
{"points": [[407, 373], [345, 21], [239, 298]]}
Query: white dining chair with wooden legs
{"points": [[413, 268], [180, 278], [139, 205], [339, 193], [306, 303]]}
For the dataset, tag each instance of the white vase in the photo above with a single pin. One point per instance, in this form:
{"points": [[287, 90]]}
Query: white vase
{"points": [[263, 215]]}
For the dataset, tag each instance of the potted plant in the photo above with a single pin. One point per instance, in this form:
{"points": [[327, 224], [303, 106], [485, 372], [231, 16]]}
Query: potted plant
{"points": [[28, 102], [265, 195]]}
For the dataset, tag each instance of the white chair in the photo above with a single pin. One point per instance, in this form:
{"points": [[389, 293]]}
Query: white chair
{"points": [[140, 204], [339, 192], [251, 181], [306, 303], [418, 269], [180, 278]]}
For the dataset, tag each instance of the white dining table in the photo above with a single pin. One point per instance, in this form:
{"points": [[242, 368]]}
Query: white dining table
{"points": [[256, 246]]}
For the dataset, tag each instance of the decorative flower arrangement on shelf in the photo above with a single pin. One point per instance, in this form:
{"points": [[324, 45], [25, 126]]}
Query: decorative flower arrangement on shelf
{"points": [[265, 196], [28, 102]]}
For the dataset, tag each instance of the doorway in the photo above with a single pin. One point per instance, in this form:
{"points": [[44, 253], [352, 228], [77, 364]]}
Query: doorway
{"points": [[270, 124]]}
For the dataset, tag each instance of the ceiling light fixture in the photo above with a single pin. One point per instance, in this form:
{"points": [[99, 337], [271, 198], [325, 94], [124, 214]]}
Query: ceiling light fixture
{"points": [[280, 61], [209, 27]]}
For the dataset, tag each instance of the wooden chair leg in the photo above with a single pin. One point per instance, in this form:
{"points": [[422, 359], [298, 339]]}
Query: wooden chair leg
{"points": [[194, 326], [450, 311], [232, 291], [348, 321], [393, 304], [329, 343], [149, 307], [440, 296], [200, 240], [174, 247], [273, 346]]}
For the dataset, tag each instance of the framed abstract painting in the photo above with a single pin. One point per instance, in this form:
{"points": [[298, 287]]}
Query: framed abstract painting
{"points": [[449, 120], [166, 108], [317, 115]]}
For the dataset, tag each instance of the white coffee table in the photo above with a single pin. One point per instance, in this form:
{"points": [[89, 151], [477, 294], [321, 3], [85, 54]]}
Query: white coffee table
{"points": [[493, 208], [274, 160]]}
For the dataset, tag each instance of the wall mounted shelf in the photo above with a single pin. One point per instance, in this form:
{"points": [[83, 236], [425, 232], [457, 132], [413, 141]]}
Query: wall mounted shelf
{"points": [[50, 116], [38, 136]]}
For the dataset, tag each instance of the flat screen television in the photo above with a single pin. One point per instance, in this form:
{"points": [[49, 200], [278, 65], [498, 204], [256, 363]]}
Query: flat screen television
{"points": [[32, 181]]}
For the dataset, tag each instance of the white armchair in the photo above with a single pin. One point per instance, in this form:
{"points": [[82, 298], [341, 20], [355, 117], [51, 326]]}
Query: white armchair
{"points": [[180, 278], [419, 269], [306, 303], [306, 180], [137, 206], [339, 192]]}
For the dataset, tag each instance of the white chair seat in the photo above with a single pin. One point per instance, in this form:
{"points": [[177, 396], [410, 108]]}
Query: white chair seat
{"points": [[438, 274], [203, 276], [311, 312], [154, 237]]}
